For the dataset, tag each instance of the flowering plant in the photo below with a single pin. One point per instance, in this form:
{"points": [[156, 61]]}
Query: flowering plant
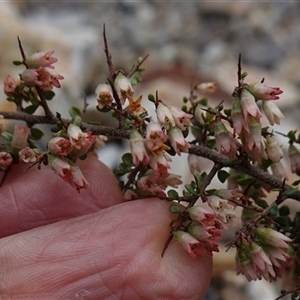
{"points": [[242, 148]]}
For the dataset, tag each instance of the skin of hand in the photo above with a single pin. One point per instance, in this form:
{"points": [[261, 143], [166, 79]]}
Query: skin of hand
{"points": [[59, 244]]}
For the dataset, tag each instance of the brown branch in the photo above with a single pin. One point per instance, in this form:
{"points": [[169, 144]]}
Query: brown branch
{"points": [[203, 151], [293, 290]]}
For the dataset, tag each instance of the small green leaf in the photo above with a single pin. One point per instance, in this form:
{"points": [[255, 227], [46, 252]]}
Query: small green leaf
{"points": [[74, 112], [292, 135], [127, 159], [76, 120], [284, 210], [175, 208], [124, 168], [56, 127], [203, 101], [173, 195], [185, 100], [190, 189], [143, 115], [262, 203], [151, 98], [198, 180], [36, 133], [223, 175], [186, 194], [30, 109], [93, 123], [295, 183], [290, 192], [17, 62], [7, 134], [282, 221], [274, 211], [245, 180], [227, 112], [49, 95], [185, 132]]}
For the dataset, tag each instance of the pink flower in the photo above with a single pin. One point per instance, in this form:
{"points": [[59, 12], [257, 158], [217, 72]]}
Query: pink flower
{"points": [[21, 133], [69, 173], [164, 116], [123, 87], [5, 160], [60, 146], [199, 213], [81, 141], [31, 77], [78, 181], [138, 150], [272, 112], [159, 163], [249, 106], [189, 243], [44, 78], [294, 156], [41, 59], [10, 85], [54, 78], [148, 185], [181, 118], [225, 141], [240, 125], [104, 95], [264, 92], [178, 141], [155, 137], [27, 155], [172, 180], [253, 140], [253, 262]]}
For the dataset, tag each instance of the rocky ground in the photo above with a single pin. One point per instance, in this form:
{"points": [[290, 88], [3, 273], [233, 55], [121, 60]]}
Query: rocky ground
{"points": [[186, 41]]}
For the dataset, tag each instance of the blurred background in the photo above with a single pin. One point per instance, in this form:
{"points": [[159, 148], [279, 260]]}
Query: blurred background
{"points": [[187, 41]]}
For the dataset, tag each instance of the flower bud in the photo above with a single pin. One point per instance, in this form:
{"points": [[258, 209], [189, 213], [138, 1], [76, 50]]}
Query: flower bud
{"points": [[262, 91], [21, 133], [123, 87], [249, 106], [194, 163], [138, 150], [273, 150], [272, 112], [164, 116], [41, 59]]}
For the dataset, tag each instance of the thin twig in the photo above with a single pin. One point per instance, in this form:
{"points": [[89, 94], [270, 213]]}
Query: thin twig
{"points": [[137, 66], [295, 289], [108, 55]]}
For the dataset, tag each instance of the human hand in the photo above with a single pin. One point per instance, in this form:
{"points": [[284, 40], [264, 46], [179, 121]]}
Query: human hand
{"points": [[57, 244]]}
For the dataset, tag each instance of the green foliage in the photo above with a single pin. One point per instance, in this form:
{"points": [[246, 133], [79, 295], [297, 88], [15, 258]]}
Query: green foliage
{"points": [[175, 208], [36, 133]]}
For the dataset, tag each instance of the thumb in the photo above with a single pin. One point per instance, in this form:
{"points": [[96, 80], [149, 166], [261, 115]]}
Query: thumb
{"points": [[115, 252]]}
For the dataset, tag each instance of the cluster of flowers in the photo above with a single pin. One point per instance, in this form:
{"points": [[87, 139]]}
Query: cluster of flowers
{"points": [[264, 255], [39, 72], [63, 152], [208, 222], [246, 122], [150, 150], [66, 147]]}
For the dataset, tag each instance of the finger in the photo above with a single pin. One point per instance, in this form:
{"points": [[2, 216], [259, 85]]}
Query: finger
{"points": [[36, 197], [112, 254]]}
